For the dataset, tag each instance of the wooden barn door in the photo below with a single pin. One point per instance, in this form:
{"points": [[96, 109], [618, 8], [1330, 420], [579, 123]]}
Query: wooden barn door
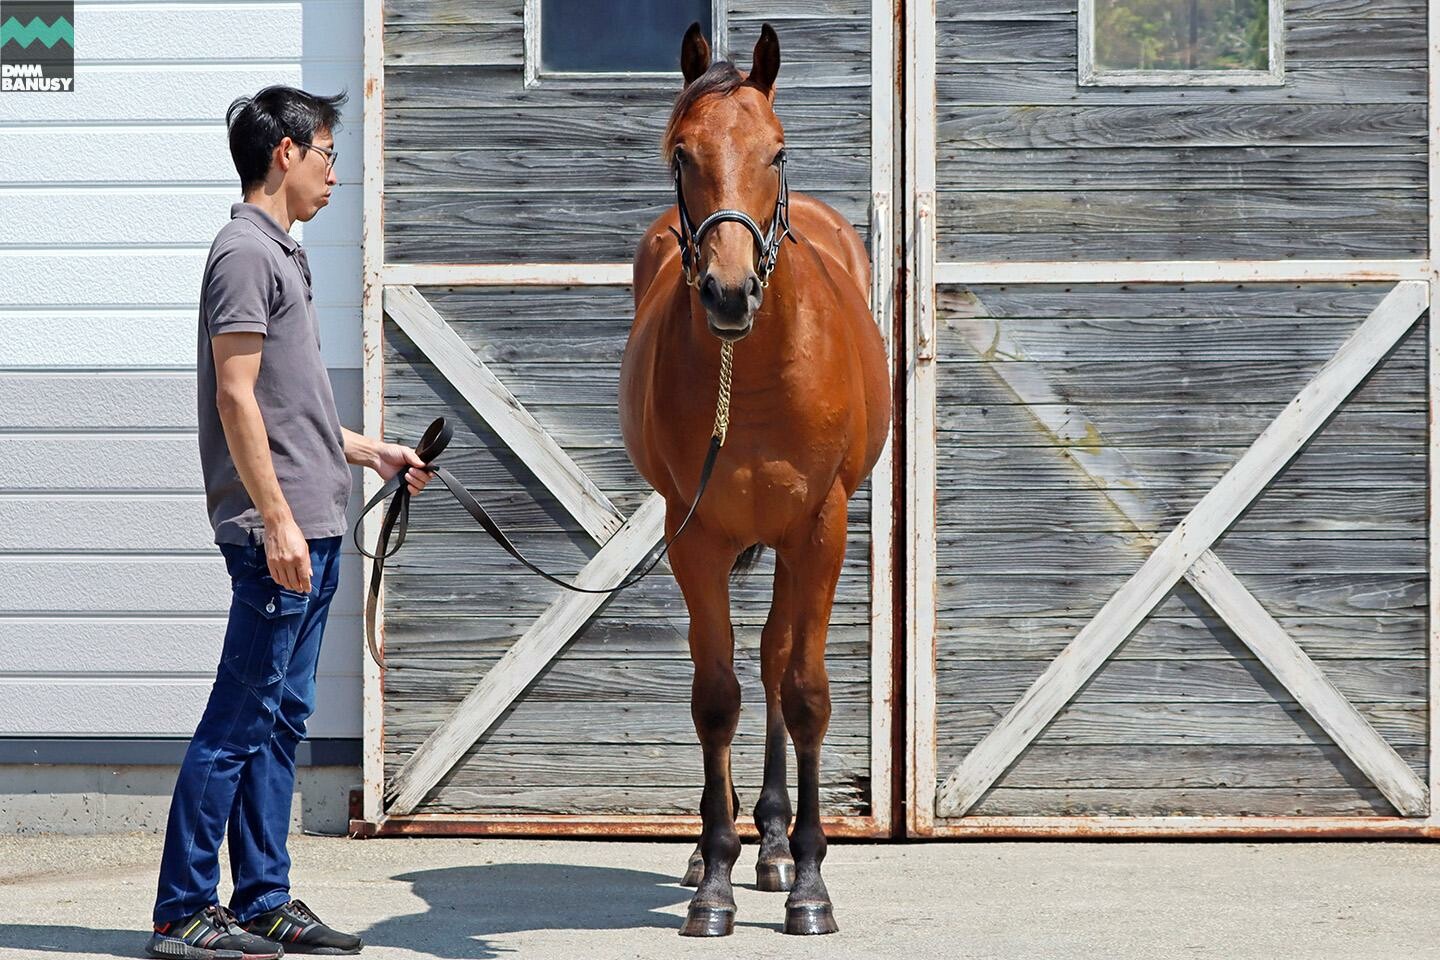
{"points": [[502, 211], [1171, 454]]}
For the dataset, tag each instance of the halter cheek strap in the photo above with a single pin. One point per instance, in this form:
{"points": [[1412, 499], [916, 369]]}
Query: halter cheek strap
{"points": [[767, 245]]}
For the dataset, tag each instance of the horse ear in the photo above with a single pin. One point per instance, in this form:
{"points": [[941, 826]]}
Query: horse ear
{"points": [[766, 62], [694, 53]]}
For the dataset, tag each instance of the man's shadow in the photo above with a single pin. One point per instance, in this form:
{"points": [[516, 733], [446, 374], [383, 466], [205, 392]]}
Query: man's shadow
{"points": [[466, 905]]}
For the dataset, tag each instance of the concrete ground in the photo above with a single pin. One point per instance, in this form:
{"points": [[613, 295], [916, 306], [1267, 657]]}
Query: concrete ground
{"points": [[568, 900]]}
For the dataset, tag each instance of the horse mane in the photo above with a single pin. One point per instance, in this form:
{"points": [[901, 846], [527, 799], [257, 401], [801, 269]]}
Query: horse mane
{"points": [[722, 79]]}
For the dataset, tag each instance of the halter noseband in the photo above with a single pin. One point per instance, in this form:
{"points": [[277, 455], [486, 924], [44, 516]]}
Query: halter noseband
{"points": [[691, 237]]}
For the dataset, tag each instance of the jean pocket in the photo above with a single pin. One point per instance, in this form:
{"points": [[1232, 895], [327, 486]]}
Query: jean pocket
{"points": [[260, 637]]}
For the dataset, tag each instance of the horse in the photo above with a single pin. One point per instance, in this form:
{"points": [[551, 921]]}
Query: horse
{"points": [[809, 414]]}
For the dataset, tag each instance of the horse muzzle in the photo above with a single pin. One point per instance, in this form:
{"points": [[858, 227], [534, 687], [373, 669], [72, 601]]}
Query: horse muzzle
{"points": [[730, 310]]}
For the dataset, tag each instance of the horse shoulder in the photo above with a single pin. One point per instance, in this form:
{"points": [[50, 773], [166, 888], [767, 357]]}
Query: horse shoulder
{"points": [[824, 226], [656, 247]]}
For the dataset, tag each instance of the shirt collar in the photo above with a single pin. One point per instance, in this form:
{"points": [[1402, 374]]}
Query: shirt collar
{"points": [[266, 223]]}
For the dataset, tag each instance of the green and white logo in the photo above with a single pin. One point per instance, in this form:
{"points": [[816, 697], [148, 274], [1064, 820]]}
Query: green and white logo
{"points": [[37, 46]]}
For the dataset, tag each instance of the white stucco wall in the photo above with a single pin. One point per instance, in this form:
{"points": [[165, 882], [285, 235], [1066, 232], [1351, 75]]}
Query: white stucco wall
{"points": [[112, 595]]}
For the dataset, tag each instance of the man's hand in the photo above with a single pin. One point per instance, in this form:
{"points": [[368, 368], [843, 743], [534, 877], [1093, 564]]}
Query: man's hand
{"points": [[287, 554], [391, 458]]}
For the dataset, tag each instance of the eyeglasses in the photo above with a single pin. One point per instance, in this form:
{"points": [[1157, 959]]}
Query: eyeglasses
{"points": [[330, 154]]}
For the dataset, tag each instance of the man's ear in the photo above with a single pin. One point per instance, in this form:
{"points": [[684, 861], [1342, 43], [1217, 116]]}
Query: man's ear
{"points": [[765, 64], [280, 159], [694, 53]]}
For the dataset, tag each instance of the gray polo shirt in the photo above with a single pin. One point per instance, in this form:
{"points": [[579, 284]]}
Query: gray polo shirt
{"points": [[257, 279]]}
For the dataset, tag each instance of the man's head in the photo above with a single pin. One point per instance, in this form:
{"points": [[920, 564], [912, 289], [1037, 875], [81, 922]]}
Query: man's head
{"points": [[282, 140]]}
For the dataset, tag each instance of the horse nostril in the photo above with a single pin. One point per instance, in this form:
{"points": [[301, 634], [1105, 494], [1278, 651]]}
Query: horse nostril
{"points": [[752, 287], [709, 290]]}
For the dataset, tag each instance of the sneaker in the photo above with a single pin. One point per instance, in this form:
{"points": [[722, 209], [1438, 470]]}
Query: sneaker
{"points": [[212, 933], [296, 926]]}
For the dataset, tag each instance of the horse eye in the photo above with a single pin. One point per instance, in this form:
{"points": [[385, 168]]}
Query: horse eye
{"points": [[778, 157], [680, 157]]}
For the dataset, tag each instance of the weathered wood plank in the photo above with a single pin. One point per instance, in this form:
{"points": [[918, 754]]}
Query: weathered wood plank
{"points": [[485, 169], [1023, 127], [1158, 338], [1277, 512], [596, 680], [1285, 594], [411, 637], [835, 800], [1234, 766], [808, 40], [453, 44], [1166, 300], [961, 726], [1103, 381], [1338, 243], [1355, 466], [587, 767], [1200, 168], [1162, 209], [1189, 631], [1140, 425], [1163, 681], [1275, 802], [455, 11], [1115, 553], [628, 723], [1294, 9], [1360, 39], [490, 228], [1047, 85]]}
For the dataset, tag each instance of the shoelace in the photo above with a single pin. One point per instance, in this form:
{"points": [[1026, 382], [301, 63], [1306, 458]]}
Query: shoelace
{"points": [[223, 919], [305, 913]]}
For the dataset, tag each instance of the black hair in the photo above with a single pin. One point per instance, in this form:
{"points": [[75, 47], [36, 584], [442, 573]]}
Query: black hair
{"points": [[257, 125]]}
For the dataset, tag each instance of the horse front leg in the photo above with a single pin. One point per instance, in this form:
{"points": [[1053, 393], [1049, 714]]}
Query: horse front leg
{"points": [[805, 696], [775, 868], [702, 567]]}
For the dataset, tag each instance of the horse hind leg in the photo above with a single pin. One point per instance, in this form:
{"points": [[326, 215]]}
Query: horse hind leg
{"points": [[775, 868]]}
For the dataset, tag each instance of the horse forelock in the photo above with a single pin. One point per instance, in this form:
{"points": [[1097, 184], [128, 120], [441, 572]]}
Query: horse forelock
{"points": [[722, 79]]}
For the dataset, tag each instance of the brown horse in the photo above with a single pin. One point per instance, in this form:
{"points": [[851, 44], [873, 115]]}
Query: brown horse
{"points": [[810, 413]]}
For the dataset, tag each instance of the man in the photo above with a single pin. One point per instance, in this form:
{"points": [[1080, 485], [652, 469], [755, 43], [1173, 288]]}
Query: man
{"points": [[274, 458]]}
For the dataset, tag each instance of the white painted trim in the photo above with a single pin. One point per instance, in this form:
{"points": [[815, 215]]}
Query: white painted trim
{"points": [[719, 49], [521, 433], [1091, 75], [919, 372], [1117, 481], [1239, 828], [546, 637], [372, 387], [882, 506], [507, 274], [1179, 271], [1195, 534], [1433, 405]]}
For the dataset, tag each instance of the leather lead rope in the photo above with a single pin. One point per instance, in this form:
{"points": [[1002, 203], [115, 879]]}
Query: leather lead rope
{"points": [[433, 443]]}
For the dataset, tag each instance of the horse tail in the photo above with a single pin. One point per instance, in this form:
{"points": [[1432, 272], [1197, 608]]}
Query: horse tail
{"points": [[747, 561]]}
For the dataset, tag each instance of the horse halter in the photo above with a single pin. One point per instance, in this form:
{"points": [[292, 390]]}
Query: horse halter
{"points": [[691, 237]]}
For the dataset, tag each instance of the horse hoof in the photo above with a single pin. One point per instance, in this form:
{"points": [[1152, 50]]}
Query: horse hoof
{"points": [[808, 919], [777, 876], [709, 922], [694, 872]]}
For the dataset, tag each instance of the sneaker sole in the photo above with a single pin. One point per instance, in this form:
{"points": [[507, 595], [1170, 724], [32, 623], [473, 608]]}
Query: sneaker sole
{"points": [[173, 948], [300, 948]]}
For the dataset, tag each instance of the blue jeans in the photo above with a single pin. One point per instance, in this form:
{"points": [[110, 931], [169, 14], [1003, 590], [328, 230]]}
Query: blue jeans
{"points": [[240, 767]]}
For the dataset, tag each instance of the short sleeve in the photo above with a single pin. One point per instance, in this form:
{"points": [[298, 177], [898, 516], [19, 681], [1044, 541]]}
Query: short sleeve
{"points": [[239, 290]]}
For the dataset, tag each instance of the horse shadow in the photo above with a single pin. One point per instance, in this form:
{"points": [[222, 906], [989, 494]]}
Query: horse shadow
{"points": [[467, 905]]}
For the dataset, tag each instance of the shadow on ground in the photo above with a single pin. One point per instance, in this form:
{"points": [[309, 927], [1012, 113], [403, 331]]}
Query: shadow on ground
{"points": [[466, 905]]}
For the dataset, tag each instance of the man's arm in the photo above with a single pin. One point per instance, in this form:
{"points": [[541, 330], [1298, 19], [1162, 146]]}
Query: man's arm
{"points": [[386, 459], [237, 366]]}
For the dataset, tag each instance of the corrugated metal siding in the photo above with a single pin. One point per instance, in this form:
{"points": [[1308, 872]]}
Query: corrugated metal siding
{"points": [[112, 595]]}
